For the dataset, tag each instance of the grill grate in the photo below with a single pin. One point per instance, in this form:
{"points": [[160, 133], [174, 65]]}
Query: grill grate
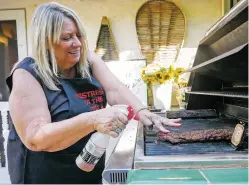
{"points": [[165, 148]]}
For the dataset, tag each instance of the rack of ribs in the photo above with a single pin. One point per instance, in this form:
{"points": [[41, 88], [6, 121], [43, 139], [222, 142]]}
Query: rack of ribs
{"points": [[197, 136]]}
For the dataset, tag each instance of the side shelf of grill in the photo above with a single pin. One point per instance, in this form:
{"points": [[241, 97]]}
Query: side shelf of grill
{"points": [[121, 159]]}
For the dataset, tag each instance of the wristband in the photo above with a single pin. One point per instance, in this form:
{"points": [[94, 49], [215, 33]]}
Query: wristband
{"points": [[136, 117]]}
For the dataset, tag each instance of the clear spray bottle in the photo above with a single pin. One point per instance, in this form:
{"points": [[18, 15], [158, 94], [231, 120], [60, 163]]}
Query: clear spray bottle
{"points": [[97, 144]]}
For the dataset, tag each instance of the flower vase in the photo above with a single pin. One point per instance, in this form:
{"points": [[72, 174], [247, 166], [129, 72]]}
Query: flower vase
{"points": [[162, 94]]}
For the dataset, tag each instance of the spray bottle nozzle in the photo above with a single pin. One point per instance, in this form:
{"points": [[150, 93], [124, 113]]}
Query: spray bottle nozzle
{"points": [[128, 109]]}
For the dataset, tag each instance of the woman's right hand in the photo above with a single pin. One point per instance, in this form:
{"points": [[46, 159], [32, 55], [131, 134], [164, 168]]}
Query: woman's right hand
{"points": [[108, 120]]}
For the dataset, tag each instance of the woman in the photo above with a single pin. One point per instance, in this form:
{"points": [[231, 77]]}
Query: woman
{"points": [[58, 100]]}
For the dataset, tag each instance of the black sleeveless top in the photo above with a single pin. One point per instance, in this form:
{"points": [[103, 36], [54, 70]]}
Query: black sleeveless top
{"points": [[76, 96]]}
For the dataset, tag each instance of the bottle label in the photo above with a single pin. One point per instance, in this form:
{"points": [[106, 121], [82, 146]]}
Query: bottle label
{"points": [[91, 153]]}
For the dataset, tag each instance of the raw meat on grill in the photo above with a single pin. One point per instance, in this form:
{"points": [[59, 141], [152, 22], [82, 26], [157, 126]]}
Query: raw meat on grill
{"points": [[196, 136]]}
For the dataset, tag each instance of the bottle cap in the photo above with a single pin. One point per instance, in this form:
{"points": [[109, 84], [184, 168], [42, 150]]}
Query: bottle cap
{"points": [[130, 112]]}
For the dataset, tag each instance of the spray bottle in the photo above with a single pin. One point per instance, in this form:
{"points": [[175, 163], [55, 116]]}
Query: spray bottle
{"points": [[97, 144]]}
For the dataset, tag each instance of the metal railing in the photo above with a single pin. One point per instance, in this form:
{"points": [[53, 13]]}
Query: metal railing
{"points": [[4, 132]]}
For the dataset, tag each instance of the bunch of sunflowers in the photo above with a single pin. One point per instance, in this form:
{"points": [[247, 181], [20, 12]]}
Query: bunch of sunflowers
{"points": [[156, 74], [182, 83]]}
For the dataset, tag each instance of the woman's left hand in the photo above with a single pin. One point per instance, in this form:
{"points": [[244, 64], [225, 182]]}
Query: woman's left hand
{"points": [[149, 119]]}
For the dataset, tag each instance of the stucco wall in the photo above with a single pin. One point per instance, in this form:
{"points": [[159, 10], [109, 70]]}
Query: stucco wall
{"points": [[200, 15]]}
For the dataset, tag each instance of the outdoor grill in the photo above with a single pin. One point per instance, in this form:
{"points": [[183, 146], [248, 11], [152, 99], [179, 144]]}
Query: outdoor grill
{"points": [[218, 99]]}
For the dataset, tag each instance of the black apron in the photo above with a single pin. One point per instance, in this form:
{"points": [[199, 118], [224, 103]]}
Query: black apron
{"points": [[26, 166]]}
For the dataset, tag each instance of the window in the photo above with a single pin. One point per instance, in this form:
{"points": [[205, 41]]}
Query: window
{"points": [[106, 47], [160, 29]]}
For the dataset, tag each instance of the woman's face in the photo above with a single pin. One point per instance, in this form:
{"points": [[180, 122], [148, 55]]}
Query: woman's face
{"points": [[68, 50]]}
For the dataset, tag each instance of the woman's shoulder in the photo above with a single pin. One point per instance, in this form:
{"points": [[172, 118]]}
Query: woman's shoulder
{"points": [[93, 58], [26, 62]]}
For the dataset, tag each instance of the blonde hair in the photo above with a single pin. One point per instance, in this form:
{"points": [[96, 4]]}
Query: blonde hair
{"points": [[46, 26]]}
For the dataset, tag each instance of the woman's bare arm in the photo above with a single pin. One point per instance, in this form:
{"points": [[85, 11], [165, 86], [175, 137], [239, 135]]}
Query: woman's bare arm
{"points": [[118, 93], [32, 120]]}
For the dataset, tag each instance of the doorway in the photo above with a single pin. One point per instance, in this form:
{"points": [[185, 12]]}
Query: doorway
{"points": [[8, 53], [13, 45]]}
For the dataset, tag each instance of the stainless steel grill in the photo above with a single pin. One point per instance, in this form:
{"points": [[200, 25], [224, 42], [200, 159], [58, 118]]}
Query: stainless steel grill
{"points": [[218, 99], [190, 156]]}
